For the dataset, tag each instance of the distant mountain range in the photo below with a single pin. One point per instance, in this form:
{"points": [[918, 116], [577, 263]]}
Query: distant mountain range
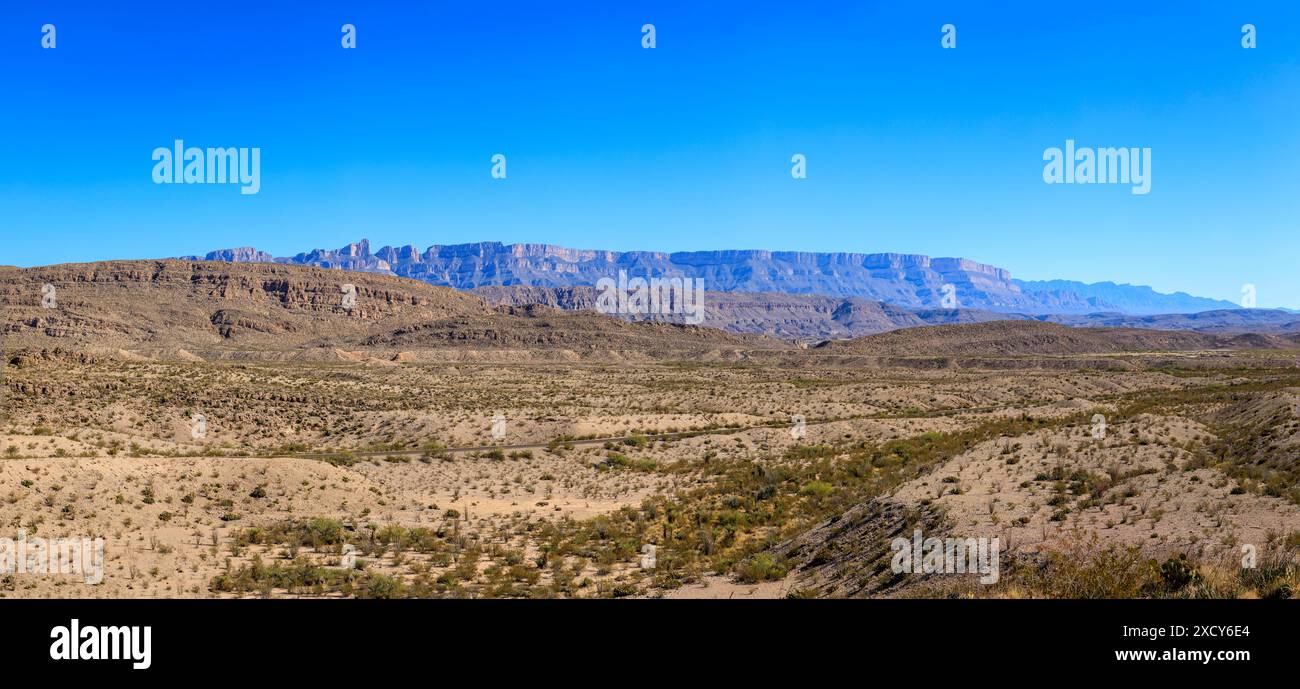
{"points": [[1131, 299], [175, 310], [813, 317], [188, 311], [798, 317], [912, 281]]}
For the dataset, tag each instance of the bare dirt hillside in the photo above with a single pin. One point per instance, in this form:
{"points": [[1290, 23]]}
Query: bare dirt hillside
{"points": [[1014, 338], [198, 303], [189, 309]]}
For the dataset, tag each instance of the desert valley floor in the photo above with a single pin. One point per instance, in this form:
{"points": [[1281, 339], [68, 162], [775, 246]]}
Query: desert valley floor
{"points": [[229, 433]]}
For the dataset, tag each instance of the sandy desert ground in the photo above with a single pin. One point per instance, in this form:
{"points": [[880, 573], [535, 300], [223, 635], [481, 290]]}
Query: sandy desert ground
{"points": [[302, 468], [232, 430]]}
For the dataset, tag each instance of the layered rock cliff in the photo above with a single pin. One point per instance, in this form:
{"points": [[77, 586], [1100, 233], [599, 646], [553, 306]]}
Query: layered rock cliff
{"points": [[907, 280]]}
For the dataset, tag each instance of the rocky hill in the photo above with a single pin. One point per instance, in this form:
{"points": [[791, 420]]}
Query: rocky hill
{"points": [[1015, 338], [204, 309], [1217, 321]]}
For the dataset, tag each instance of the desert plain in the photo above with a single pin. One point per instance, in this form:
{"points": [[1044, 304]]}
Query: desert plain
{"points": [[237, 431]]}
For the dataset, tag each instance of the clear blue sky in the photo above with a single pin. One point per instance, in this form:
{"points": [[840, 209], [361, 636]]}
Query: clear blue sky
{"points": [[911, 148]]}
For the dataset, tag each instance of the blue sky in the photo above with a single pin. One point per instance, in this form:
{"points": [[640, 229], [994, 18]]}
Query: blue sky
{"points": [[910, 147]]}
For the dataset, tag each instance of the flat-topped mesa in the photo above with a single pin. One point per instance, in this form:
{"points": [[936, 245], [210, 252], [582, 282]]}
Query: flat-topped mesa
{"points": [[476, 249], [945, 265], [908, 280], [560, 252], [708, 258], [241, 254], [895, 261]]}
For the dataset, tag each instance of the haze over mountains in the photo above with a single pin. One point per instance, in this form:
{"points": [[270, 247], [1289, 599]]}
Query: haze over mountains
{"points": [[802, 317], [905, 280], [813, 317]]}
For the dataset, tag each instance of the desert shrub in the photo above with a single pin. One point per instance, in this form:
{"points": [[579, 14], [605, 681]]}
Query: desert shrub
{"points": [[343, 459], [1177, 573], [759, 567], [816, 489]]}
